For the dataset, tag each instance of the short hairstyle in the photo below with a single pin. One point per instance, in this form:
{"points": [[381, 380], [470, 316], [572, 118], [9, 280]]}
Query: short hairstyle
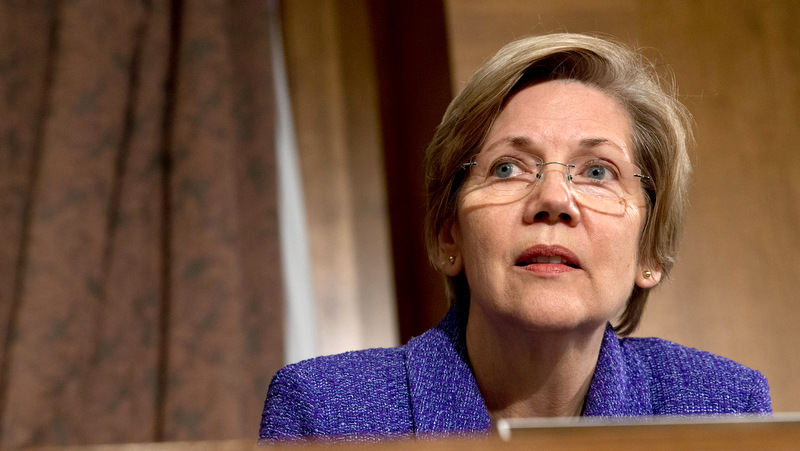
{"points": [[661, 134]]}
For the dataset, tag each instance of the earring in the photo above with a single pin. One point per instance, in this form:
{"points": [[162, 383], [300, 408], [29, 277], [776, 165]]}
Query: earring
{"points": [[451, 259], [647, 274]]}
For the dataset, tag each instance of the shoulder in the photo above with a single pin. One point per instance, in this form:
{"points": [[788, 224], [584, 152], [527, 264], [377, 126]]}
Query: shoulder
{"points": [[690, 381], [353, 364], [359, 393]]}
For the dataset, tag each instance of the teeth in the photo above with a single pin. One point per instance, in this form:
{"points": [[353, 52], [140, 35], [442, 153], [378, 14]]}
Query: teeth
{"points": [[552, 260]]}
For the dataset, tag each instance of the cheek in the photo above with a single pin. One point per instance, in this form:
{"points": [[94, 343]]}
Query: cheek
{"points": [[472, 240], [627, 237], [484, 240], [615, 241]]}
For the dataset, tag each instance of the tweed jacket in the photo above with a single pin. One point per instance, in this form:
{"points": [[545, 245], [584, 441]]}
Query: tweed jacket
{"points": [[427, 387]]}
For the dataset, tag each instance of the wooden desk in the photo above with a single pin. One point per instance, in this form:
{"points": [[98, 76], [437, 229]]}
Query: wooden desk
{"points": [[781, 432]]}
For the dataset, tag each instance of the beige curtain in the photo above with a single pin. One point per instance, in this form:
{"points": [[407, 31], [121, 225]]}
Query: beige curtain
{"points": [[140, 286]]}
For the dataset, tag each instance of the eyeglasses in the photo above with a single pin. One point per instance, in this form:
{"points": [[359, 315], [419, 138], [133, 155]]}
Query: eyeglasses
{"points": [[600, 183]]}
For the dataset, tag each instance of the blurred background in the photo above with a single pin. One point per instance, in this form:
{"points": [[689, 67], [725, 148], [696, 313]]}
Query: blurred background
{"points": [[194, 193]]}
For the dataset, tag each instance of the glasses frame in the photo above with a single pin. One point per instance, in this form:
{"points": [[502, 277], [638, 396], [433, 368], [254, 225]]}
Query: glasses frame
{"points": [[540, 174]]}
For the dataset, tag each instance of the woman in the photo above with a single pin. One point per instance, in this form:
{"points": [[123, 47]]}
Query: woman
{"points": [[557, 187]]}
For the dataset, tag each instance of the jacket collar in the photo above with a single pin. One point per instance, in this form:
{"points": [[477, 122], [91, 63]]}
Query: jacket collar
{"points": [[620, 383], [445, 398], [443, 393]]}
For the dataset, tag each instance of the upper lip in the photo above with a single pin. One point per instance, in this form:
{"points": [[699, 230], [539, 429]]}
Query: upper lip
{"points": [[544, 251]]}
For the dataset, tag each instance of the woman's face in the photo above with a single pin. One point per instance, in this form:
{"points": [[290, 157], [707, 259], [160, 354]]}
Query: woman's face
{"points": [[549, 257]]}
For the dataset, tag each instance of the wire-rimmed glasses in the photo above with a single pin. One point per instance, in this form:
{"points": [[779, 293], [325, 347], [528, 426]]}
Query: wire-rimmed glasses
{"points": [[601, 183]]}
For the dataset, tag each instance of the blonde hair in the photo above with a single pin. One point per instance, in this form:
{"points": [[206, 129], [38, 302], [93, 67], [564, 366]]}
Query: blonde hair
{"points": [[661, 135]]}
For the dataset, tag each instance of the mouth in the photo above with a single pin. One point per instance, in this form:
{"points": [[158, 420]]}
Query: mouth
{"points": [[547, 255]]}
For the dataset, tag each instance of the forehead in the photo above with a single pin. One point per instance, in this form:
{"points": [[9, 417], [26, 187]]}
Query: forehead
{"points": [[562, 114]]}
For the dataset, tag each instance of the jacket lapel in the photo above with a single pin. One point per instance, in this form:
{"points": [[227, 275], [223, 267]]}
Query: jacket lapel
{"points": [[619, 386], [443, 393]]}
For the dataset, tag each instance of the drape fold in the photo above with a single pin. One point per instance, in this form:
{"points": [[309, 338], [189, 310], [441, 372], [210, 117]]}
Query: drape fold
{"points": [[140, 282]]}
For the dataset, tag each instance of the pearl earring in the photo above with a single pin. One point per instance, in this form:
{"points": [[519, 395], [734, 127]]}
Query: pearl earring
{"points": [[451, 259]]}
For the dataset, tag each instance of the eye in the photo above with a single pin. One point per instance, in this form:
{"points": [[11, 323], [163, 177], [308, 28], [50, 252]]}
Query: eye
{"points": [[506, 169], [598, 170]]}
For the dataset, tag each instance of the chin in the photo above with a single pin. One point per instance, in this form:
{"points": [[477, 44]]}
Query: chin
{"points": [[559, 317]]}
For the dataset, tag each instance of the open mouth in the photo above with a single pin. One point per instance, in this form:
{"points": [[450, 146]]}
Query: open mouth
{"points": [[548, 255], [551, 260]]}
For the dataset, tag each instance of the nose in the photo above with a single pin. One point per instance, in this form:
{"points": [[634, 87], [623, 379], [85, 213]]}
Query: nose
{"points": [[551, 200]]}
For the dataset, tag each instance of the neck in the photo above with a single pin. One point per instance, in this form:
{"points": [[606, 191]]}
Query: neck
{"points": [[532, 373]]}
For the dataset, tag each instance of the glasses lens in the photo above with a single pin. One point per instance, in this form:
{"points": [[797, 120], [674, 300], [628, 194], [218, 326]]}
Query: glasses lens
{"points": [[506, 173], [604, 183]]}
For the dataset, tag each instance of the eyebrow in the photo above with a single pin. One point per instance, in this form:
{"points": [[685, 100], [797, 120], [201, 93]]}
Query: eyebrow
{"points": [[594, 142], [515, 141]]}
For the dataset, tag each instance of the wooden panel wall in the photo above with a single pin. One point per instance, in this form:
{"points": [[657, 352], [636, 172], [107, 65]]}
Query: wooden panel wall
{"points": [[734, 290], [333, 88], [410, 43]]}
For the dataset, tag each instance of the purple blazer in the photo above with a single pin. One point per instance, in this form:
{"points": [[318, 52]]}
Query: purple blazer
{"points": [[427, 387]]}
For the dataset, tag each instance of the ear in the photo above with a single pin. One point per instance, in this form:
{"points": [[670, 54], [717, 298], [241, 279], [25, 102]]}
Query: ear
{"points": [[449, 250], [645, 280]]}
